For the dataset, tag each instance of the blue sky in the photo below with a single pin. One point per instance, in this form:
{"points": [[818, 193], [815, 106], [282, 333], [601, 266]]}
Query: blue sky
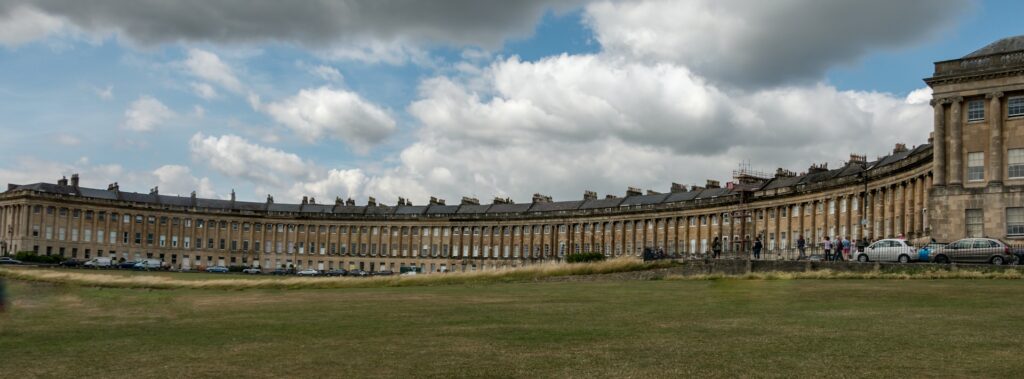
{"points": [[555, 98]]}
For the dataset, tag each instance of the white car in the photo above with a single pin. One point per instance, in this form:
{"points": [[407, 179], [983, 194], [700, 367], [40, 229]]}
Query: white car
{"points": [[252, 270], [308, 272], [888, 250]]}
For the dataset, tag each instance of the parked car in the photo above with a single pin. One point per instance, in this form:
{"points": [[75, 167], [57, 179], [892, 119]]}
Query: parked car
{"points": [[384, 273], [1019, 253], [217, 269], [889, 250], [252, 270], [922, 253], [149, 264], [9, 261], [308, 272], [98, 262], [338, 272], [973, 250], [280, 271], [127, 264], [358, 272], [71, 263]]}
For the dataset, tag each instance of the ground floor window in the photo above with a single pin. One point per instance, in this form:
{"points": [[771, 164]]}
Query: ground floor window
{"points": [[975, 223], [1015, 221]]}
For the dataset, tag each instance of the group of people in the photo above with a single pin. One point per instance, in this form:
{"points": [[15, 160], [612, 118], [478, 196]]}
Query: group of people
{"points": [[835, 249]]}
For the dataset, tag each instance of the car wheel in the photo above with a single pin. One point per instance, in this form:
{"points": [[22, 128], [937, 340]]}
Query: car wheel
{"points": [[942, 259], [904, 259], [997, 260], [863, 258]]}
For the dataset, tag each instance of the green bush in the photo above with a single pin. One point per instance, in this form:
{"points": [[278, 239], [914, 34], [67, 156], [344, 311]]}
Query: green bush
{"points": [[584, 257], [32, 257]]}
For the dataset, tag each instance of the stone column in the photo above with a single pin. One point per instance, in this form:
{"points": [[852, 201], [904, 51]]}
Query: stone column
{"points": [[956, 139], [803, 213], [912, 204], [903, 209], [867, 231], [939, 141], [995, 149], [814, 222]]}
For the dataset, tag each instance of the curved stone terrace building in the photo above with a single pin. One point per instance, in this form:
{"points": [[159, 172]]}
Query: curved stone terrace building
{"points": [[969, 183]]}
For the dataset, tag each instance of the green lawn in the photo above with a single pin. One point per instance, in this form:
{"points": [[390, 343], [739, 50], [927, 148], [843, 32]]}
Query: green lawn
{"points": [[722, 328]]}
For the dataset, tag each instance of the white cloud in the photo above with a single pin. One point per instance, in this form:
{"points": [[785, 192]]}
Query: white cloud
{"points": [[326, 73], [198, 111], [178, 180], [203, 90], [753, 44], [145, 114], [23, 24], [105, 93], [333, 113], [920, 96], [208, 66], [66, 139], [236, 157]]}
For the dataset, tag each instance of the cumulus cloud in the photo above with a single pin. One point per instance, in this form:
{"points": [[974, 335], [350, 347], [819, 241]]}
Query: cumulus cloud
{"points": [[318, 24], [569, 123], [66, 139], [146, 113], [208, 66], [178, 180], [747, 44], [22, 24], [920, 96], [333, 113], [105, 93], [326, 73], [236, 157], [203, 90]]}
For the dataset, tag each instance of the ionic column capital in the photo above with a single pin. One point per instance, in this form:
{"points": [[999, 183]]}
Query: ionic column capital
{"points": [[957, 99], [994, 95]]}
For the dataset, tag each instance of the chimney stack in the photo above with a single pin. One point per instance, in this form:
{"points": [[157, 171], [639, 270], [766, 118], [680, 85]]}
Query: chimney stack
{"points": [[74, 180], [816, 168], [610, 196], [350, 202], [63, 182], [696, 188], [676, 187], [500, 200], [900, 148], [713, 184], [633, 191], [371, 201], [305, 200], [470, 201], [154, 190], [538, 198], [589, 195], [270, 199], [653, 192]]}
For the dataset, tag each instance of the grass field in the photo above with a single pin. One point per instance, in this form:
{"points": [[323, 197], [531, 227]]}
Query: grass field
{"points": [[716, 328]]}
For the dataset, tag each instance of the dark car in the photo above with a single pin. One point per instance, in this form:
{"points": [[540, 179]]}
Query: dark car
{"points": [[974, 250], [280, 271], [9, 261], [384, 273], [357, 272], [127, 265], [1019, 253], [338, 272], [71, 263]]}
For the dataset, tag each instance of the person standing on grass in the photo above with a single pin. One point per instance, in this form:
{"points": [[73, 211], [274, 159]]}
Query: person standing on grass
{"points": [[3, 296], [757, 248], [801, 244]]}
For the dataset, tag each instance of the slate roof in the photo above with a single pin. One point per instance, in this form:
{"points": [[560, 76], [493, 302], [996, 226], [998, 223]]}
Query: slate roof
{"points": [[1005, 45]]}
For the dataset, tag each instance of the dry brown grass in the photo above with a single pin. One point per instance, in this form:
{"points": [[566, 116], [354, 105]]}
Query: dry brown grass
{"points": [[527, 273], [829, 274]]}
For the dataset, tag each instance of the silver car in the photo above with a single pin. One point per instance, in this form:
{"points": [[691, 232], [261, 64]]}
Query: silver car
{"points": [[888, 250], [973, 250]]}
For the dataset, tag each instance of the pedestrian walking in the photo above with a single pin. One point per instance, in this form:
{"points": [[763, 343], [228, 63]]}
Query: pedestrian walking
{"points": [[801, 244], [826, 245], [757, 248], [846, 247], [3, 296], [716, 247]]}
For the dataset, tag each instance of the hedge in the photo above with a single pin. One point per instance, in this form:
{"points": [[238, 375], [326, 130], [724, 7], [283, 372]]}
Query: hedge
{"points": [[584, 257]]}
